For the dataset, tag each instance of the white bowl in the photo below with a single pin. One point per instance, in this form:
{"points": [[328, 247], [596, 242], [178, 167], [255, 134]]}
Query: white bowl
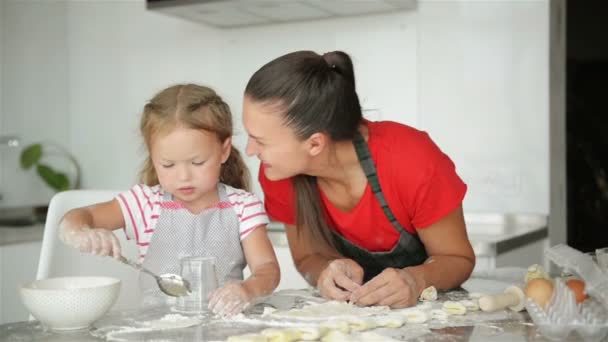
{"points": [[70, 303]]}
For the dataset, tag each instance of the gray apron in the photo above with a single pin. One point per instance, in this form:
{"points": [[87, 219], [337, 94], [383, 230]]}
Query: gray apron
{"points": [[408, 251], [178, 233]]}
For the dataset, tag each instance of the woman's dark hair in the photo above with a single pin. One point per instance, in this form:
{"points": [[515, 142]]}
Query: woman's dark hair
{"points": [[316, 93]]}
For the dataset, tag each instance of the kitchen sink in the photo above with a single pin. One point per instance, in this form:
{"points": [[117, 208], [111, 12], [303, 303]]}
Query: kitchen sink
{"points": [[21, 216]]}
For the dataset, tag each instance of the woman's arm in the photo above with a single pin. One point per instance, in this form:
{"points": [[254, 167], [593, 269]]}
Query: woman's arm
{"points": [[451, 258], [308, 261], [265, 272], [451, 261]]}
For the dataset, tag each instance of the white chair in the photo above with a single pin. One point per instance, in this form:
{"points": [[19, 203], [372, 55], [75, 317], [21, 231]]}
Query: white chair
{"points": [[58, 259]]}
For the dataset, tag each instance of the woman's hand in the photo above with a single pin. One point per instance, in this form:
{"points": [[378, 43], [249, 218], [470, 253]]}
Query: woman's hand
{"points": [[229, 300], [393, 287], [339, 279]]}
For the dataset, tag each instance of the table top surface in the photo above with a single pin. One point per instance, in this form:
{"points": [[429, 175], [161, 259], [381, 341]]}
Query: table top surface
{"points": [[130, 325]]}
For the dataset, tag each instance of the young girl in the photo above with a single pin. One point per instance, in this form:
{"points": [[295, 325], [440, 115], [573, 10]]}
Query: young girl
{"points": [[193, 201]]}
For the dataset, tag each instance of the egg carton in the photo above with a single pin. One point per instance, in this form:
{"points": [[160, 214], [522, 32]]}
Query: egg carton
{"points": [[563, 315], [572, 260]]}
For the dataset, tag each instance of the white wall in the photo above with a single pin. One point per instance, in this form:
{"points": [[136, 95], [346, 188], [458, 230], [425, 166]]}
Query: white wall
{"points": [[383, 48], [474, 74], [120, 56], [484, 97], [2, 30], [34, 90]]}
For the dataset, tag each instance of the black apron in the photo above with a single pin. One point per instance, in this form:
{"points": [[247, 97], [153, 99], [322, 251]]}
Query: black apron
{"points": [[408, 251]]}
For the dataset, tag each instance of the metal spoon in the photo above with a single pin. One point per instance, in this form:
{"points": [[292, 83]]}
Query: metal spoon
{"points": [[171, 284]]}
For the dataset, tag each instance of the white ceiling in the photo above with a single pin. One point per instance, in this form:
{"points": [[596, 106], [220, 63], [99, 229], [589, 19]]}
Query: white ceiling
{"points": [[236, 13]]}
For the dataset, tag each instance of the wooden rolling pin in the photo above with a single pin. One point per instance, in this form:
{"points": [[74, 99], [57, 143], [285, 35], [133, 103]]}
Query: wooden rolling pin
{"points": [[513, 298]]}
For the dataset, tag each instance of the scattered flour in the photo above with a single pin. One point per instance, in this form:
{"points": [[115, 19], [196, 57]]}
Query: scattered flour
{"points": [[169, 321], [173, 321], [266, 320], [339, 322], [309, 316], [328, 310]]}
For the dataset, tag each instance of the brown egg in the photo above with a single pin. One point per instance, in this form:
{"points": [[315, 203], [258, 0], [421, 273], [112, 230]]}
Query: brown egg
{"points": [[540, 291], [578, 287]]}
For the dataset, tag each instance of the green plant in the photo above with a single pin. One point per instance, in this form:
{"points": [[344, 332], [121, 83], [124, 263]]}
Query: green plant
{"points": [[33, 155]]}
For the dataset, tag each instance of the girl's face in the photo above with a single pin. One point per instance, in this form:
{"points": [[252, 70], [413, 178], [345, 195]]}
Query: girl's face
{"points": [[279, 150], [188, 161]]}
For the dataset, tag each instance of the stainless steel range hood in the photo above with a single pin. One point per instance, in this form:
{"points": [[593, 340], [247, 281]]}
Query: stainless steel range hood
{"points": [[238, 13]]}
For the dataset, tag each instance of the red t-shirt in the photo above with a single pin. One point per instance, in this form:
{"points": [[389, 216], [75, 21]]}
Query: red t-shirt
{"points": [[418, 180]]}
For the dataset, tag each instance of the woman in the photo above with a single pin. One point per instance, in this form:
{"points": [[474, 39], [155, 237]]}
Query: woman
{"points": [[373, 210]]}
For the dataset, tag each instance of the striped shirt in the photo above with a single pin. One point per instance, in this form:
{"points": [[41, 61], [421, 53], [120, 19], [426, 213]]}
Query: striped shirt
{"points": [[142, 206]]}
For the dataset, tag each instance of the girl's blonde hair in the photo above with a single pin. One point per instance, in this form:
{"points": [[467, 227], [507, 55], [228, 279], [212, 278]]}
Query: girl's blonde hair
{"points": [[197, 107]]}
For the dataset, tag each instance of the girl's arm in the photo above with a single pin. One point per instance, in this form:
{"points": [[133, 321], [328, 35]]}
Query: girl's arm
{"points": [[265, 273], [234, 297], [106, 215], [90, 228]]}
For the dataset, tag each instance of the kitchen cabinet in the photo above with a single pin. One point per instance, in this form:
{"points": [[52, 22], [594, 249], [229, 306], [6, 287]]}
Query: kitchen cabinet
{"points": [[231, 13], [507, 240], [18, 265]]}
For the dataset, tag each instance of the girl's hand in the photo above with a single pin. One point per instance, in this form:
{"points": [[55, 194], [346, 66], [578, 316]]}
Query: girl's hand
{"points": [[97, 241], [339, 279], [229, 300], [393, 287]]}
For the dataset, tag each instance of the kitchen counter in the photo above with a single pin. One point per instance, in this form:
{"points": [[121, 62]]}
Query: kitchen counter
{"points": [[16, 235], [493, 234], [125, 326], [490, 234]]}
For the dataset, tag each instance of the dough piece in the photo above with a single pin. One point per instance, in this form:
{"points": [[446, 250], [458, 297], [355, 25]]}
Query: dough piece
{"points": [[535, 271], [454, 308], [336, 336], [173, 321], [416, 316], [341, 326], [310, 333], [281, 335], [361, 324], [329, 310], [247, 338], [422, 306], [470, 305], [268, 310], [439, 315], [373, 336], [429, 294], [391, 321]]}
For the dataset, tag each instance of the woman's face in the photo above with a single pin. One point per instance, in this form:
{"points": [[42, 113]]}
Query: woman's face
{"points": [[281, 153]]}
